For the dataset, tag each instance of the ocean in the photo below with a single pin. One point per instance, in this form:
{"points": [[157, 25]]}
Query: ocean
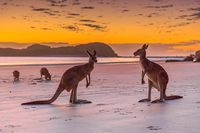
{"points": [[12, 61]]}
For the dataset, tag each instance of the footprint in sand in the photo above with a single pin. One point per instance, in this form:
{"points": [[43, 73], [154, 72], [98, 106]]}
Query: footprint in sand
{"points": [[68, 119], [12, 126], [101, 104], [102, 111], [154, 128], [33, 83], [51, 118]]}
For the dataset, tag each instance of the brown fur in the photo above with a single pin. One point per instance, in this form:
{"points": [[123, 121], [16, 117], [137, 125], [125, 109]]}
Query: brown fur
{"points": [[71, 79], [44, 71], [16, 75], [157, 77]]}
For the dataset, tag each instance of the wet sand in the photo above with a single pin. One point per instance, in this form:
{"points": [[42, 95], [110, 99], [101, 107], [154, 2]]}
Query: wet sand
{"points": [[115, 90]]}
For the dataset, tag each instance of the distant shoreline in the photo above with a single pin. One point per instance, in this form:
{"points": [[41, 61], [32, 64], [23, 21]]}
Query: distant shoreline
{"points": [[36, 61]]}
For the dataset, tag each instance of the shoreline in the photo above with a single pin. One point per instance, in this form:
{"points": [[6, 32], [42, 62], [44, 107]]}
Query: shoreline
{"points": [[57, 61], [61, 64]]}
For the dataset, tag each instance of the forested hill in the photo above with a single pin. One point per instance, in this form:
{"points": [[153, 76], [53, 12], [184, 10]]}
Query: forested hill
{"points": [[103, 50]]}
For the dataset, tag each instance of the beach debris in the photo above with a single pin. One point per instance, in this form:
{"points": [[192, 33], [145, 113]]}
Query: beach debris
{"points": [[154, 128], [68, 119]]}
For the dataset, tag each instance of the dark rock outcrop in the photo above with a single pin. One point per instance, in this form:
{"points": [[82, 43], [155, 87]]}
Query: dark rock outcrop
{"points": [[189, 58], [197, 56]]}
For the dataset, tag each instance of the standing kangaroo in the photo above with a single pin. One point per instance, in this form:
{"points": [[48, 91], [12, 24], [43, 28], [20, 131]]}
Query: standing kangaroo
{"points": [[157, 77], [70, 81], [16, 75], [44, 71]]}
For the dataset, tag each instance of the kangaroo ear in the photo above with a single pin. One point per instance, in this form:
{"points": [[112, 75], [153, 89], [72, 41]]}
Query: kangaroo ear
{"points": [[89, 53], [94, 53], [144, 46]]}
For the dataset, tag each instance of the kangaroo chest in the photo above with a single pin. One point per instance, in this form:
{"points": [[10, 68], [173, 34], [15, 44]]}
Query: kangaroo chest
{"points": [[151, 75], [142, 66]]}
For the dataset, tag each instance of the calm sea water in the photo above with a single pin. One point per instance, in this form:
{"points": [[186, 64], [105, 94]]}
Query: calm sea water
{"points": [[4, 61]]}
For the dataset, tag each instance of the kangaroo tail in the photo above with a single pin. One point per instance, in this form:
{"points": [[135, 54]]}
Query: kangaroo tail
{"points": [[173, 97], [57, 93]]}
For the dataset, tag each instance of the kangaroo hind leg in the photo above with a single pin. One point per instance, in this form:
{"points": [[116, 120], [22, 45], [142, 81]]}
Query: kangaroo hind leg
{"points": [[162, 87], [73, 95], [150, 85]]}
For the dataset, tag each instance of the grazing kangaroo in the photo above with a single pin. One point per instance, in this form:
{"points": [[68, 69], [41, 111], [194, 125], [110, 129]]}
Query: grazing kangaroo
{"points": [[157, 77], [70, 81], [44, 71], [16, 75]]}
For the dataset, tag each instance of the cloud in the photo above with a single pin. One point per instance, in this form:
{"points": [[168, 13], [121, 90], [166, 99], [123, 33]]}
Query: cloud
{"points": [[179, 24], [188, 46], [157, 0], [152, 15], [125, 10], [46, 11], [74, 14], [56, 1], [196, 15], [4, 4], [95, 27], [163, 6], [196, 12], [193, 14], [76, 3], [88, 7], [40, 9], [188, 43], [87, 20], [71, 28], [45, 29], [24, 45], [194, 9]]}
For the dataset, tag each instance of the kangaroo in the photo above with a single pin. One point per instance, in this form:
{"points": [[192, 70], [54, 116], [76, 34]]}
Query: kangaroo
{"points": [[16, 75], [44, 71], [157, 77], [70, 81]]}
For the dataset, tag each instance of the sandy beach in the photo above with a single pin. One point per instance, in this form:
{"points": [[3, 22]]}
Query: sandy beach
{"points": [[115, 90]]}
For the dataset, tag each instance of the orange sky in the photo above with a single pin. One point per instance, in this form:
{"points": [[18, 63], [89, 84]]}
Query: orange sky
{"points": [[110, 21]]}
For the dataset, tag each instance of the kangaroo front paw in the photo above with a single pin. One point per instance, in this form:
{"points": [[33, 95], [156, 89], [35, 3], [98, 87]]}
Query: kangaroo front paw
{"points": [[142, 82], [158, 101], [145, 100]]}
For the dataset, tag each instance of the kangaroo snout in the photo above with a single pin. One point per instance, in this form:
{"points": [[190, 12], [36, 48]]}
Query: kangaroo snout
{"points": [[135, 54]]}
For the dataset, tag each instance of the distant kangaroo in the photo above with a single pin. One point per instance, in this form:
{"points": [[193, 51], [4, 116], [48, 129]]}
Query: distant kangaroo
{"points": [[71, 79], [157, 77], [44, 71], [16, 75]]}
